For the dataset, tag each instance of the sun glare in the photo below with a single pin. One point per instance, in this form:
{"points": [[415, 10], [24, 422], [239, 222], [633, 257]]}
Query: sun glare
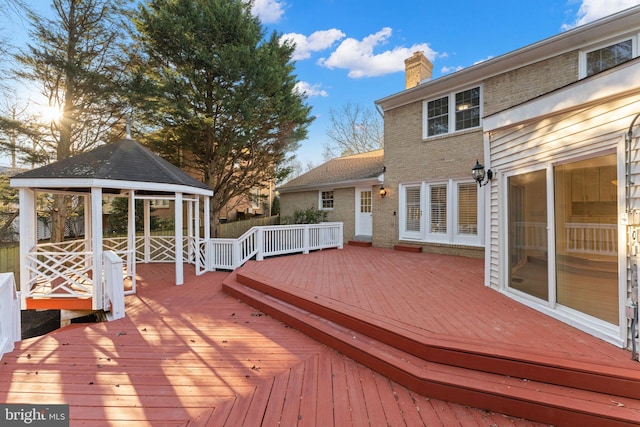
{"points": [[50, 114]]}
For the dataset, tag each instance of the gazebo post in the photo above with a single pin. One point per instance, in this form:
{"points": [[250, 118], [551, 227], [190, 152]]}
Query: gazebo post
{"points": [[207, 223], [87, 224], [196, 227], [28, 237], [147, 231], [131, 239], [178, 237], [96, 238]]}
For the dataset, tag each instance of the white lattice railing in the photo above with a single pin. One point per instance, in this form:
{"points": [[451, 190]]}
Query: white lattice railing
{"points": [[9, 313], [54, 273]]}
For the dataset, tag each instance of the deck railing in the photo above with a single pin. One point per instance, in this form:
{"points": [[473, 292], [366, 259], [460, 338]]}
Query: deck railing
{"points": [[113, 286], [272, 240], [9, 313], [65, 270]]}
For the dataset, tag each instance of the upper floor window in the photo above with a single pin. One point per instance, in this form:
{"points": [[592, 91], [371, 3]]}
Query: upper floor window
{"points": [[606, 55], [326, 200], [466, 113]]}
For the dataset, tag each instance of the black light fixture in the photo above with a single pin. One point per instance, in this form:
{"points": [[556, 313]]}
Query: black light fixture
{"points": [[382, 191], [479, 174]]}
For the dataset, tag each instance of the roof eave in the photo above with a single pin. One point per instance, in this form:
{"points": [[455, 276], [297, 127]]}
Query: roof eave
{"points": [[65, 183], [571, 40], [331, 185]]}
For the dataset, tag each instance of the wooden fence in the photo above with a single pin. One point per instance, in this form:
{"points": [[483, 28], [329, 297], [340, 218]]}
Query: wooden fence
{"points": [[233, 230], [10, 260]]}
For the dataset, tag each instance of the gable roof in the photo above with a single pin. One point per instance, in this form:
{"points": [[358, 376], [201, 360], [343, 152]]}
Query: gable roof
{"points": [[348, 171], [121, 165]]}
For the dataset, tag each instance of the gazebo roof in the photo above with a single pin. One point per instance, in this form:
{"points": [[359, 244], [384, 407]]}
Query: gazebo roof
{"points": [[125, 164]]}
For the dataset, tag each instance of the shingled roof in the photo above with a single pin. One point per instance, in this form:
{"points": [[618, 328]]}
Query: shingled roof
{"points": [[345, 171], [122, 161]]}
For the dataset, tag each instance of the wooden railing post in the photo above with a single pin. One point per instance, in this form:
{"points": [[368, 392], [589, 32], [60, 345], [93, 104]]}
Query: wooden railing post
{"points": [[113, 286], [306, 238], [260, 243]]}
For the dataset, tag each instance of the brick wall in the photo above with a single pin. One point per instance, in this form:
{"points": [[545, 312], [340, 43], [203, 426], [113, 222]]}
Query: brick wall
{"points": [[343, 211], [517, 86]]}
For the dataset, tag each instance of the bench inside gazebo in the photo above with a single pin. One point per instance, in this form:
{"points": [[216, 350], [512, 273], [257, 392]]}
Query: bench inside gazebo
{"points": [[84, 274]]}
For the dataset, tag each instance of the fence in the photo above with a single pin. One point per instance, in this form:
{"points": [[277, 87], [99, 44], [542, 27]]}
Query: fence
{"points": [[233, 230], [10, 260]]}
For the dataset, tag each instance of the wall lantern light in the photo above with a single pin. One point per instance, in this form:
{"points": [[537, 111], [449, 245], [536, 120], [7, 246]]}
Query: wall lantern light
{"points": [[479, 174], [383, 191]]}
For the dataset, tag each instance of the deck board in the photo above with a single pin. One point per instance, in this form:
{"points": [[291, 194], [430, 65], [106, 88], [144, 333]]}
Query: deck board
{"points": [[192, 355]]}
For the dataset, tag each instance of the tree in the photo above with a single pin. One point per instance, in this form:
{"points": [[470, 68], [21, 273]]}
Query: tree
{"points": [[76, 58], [223, 93], [354, 129], [117, 221]]}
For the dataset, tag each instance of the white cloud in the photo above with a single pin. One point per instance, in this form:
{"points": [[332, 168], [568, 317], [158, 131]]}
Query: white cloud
{"points": [[590, 10], [320, 40], [268, 11], [359, 58], [446, 70], [308, 90]]}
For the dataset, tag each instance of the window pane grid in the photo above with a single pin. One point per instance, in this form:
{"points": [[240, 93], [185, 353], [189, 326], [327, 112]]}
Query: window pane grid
{"points": [[365, 201], [327, 200], [468, 109], [438, 116]]}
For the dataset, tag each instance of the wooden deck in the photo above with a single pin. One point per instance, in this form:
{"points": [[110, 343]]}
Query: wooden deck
{"points": [[193, 355]]}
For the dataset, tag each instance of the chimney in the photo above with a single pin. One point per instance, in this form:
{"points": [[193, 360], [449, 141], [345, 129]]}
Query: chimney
{"points": [[417, 68]]}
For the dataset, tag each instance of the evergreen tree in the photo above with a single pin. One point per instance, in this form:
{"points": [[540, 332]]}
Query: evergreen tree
{"points": [[222, 93]]}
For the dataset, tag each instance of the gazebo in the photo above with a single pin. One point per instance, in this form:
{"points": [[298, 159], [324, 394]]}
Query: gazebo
{"points": [[71, 274]]}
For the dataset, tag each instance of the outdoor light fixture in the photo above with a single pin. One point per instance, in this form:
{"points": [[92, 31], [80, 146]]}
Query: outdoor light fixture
{"points": [[383, 191], [478, 174]]}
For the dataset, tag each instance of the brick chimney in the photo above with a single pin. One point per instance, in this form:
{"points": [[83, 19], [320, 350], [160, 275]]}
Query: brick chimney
{"points": [[417, 68]]}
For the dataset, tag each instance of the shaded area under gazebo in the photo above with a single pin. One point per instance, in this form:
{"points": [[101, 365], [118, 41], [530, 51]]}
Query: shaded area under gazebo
{"points": [[74, 274]]}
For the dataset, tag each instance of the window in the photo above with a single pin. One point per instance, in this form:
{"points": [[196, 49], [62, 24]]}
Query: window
{"points": [[412, 217], [438, 209], [468, 109], [160, 203], [438, 116], [326, 200], [451, 209], [465, 104], [468, 209], [608, 54], [365, 202], [608, 57]]}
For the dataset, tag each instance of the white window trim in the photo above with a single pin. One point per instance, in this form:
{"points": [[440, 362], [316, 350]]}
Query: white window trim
{"points": [[582, 56], [452, 112], [451, 236], [320, 200]]}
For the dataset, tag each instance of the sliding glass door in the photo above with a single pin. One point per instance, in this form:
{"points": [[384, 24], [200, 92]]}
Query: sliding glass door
{"points": [[584, 207]]}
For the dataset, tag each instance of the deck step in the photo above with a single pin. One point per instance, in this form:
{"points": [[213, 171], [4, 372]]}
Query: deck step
{"points": [[407, 248], [548, 391], [360, 243]]}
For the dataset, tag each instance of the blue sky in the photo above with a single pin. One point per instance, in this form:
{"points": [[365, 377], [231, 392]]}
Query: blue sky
{"points": [[353, 51]]}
